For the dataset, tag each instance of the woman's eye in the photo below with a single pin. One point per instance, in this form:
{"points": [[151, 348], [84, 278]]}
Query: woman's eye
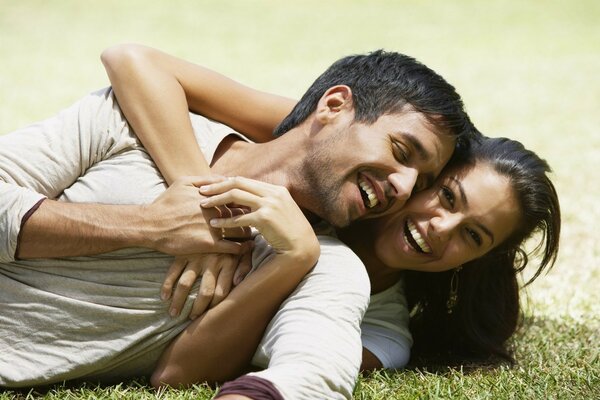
{"points": [[447, 195], [475, 236]]}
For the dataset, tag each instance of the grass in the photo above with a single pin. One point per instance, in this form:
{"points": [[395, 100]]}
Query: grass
{"points": [[526, 70]]}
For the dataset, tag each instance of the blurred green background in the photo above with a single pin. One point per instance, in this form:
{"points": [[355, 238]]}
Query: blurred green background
{"points": [[526, 70]]}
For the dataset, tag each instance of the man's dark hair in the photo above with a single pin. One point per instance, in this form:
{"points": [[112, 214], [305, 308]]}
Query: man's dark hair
{"points": [[384, 82]]}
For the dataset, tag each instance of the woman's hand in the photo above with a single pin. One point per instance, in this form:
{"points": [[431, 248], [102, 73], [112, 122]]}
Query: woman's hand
{"points": [[219, 272], [273, 212]]}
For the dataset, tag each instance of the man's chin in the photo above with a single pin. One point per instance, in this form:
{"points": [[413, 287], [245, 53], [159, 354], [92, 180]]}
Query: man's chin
{"points": [[339, 220]]}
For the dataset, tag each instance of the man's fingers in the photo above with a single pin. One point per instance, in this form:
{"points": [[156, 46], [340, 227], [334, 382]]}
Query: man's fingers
{"points": [[205, 293], [172, 276]]}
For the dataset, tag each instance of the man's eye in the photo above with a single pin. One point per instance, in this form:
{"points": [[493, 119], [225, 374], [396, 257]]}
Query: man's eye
{"points": [[447, 195], [401, 153], [475, 236]]}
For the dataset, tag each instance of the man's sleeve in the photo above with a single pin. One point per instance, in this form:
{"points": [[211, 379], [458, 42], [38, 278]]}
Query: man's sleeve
{"points": [[312, 348], [43, 159]]}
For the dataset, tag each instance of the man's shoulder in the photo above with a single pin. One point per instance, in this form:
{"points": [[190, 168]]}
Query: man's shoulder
{"points": [[336, 254]]}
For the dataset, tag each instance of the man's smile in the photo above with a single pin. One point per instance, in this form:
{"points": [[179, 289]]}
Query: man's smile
{"points": [[373, 195], [367, 191]]}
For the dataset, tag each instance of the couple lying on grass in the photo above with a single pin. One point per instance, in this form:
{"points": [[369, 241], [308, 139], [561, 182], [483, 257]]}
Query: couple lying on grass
{"points": [[375, 196]]}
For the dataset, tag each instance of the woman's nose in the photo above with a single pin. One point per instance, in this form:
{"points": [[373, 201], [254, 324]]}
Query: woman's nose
{"points": [[442, 226]]}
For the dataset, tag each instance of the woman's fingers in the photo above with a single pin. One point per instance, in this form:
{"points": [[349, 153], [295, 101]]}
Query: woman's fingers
{"points": [[243, 268], [238, 196], [199, 181], [206, 291], [248, 185], [172, 276], [184, 286], [225, 279]]}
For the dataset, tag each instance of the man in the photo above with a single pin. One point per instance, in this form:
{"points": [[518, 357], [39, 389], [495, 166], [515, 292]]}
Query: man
{"points": [[105, 164]]}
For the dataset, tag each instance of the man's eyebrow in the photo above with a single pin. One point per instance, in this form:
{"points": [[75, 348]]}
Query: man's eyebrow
{"points": [[463, 198], [418, 146]]}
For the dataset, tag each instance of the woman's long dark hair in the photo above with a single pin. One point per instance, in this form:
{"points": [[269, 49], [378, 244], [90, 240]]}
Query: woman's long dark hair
{"points": [[488, 312]]}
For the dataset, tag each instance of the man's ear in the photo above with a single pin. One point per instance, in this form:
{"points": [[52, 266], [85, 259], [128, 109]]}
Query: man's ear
{"points": [[335, 100]]}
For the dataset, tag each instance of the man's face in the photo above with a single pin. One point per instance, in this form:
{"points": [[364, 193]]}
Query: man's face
{"points": [[357, 171]]}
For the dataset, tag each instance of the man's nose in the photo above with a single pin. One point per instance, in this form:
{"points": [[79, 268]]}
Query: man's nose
{"points": [[442, 226], [403, 183]]}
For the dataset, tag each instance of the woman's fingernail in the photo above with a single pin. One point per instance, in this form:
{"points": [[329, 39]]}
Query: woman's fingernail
{"points": [[173, 312], [164, 295], [204, 188], [203, 202], [193, 317], [214, 222]]}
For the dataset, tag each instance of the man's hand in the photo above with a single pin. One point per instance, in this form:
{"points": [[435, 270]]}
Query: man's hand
{"points": [[180, 226], [219, 273]]}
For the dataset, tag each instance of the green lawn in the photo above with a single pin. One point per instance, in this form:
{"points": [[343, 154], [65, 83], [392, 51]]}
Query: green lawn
{"points": [[527, 71]]}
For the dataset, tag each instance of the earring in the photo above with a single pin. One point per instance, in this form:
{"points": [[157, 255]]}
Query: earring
{"points": [[453, 295]]}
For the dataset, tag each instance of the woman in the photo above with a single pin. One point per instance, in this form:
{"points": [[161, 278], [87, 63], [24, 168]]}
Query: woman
{"points": [[477, 329]]}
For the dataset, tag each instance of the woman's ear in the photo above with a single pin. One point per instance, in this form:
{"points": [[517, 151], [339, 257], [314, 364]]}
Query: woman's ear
{"points": [[336, 100]]}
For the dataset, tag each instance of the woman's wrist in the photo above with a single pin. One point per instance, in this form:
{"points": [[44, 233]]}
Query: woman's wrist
{"points": [[305, 254]]}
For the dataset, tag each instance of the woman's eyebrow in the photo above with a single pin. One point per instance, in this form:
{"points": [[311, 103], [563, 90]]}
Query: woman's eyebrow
{"points": [[461, 191], [463, 198]]}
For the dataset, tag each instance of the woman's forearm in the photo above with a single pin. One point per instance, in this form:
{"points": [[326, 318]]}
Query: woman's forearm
{"points": [[156, 90], [220, 345], [155, 105]]}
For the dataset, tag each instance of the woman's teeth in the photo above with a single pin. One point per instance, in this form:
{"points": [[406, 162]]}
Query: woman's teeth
{"points": [[370, 198], [423, 246]]}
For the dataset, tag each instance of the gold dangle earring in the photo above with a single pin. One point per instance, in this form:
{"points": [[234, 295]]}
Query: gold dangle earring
{"points": [[453, 295]]}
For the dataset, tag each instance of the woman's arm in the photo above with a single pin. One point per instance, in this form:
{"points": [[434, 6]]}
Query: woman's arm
{"points": [[155, 91]]}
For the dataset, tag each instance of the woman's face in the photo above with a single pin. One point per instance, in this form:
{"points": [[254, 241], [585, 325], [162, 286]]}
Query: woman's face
{"points": [[466, 213]]}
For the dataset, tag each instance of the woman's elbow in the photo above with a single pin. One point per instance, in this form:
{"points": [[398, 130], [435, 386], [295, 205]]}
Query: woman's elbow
{"points": [[122, 55], [167, 376]]}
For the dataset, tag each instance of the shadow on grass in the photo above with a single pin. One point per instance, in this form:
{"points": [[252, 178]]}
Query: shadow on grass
{"points": [[539, 339], [555, 358]]}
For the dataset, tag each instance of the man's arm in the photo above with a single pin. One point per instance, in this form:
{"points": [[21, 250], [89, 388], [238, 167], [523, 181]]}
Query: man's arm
{"points": [[42, 160], [174, 224]]}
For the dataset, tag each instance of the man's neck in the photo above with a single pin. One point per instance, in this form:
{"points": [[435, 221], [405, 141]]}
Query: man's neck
{"points": [[275, 162], [279, 161]]}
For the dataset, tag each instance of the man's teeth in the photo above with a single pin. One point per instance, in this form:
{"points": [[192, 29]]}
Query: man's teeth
{"points": [[417, 237], [372, 200]]}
